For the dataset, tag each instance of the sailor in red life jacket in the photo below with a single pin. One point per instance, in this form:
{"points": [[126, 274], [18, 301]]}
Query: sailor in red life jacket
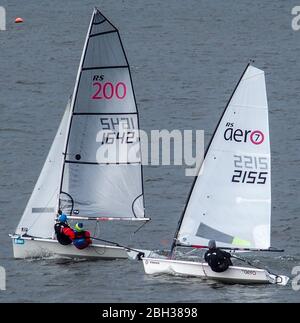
{"points": [[60, 227], [81, 238]]}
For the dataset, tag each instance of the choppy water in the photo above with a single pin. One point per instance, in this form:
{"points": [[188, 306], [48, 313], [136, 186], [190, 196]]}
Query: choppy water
{"points": [[186, 57]]}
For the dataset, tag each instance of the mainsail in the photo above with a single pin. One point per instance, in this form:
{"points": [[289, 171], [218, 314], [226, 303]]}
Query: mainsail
{"points": [[102, 169], [231, 198]]}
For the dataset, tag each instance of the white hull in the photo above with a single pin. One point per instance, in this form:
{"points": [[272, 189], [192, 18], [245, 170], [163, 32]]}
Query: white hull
{"points": [[234, 274], [26, 247]]}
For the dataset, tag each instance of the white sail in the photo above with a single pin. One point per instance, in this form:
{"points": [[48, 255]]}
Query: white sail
{"points": [[102, 170], [40, 212], [231, 198]]}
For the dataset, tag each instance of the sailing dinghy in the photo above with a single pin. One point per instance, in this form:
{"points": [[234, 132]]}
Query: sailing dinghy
{"points": [[230, 200], [95, 160]]}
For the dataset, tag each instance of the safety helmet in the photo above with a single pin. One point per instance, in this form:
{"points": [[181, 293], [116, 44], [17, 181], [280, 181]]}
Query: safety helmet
{"points": [[62, 218], [212, 244], [78, 227]]}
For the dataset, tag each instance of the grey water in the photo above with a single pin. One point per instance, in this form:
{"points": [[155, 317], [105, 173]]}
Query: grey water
{"points": [[185, 57]]}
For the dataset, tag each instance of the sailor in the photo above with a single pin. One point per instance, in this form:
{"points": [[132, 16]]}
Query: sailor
{"points": [[82, 238], [218, 260], [61, 228]]}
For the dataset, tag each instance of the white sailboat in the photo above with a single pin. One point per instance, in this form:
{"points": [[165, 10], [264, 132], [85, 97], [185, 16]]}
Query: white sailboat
{"points": [[230, 200], [95, 160]]}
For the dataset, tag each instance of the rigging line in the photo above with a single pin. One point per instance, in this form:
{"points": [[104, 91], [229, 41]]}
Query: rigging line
{"points": [[118, 245], [98, 252], [254, 266], [191, 251], [202, 265], [96, 229], [271, 249], [140, 227]]}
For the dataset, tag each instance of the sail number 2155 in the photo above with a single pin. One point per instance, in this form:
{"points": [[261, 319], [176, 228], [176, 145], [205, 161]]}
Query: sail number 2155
{"points": [[250, 169]]}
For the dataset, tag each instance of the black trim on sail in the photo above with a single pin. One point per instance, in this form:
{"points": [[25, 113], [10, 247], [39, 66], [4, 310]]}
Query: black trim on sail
{"points": [[99, 23], [95, 163], [101, 113], [174, 243], [132, 205], [103, 33], [103, 67]]}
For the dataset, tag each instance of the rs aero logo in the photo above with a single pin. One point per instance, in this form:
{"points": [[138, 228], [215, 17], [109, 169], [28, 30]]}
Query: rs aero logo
{"points": [[256, 137]]}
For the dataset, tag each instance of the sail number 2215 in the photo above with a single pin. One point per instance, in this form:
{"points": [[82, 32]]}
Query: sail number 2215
{"points": [[250, 169]]}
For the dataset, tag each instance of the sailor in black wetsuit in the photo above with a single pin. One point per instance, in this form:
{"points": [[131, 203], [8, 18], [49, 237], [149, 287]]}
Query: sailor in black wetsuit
{"points": [[218, 260], [60, 226]]}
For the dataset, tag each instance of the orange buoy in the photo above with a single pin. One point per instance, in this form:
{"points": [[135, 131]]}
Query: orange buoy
{"points": [[18, 20]]}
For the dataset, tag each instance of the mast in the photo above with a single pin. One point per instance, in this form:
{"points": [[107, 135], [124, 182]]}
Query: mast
{"points": [[174, 243], [74, 99]]}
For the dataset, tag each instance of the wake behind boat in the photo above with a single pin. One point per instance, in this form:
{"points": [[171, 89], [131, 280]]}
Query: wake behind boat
{"points": [[93, 171], [230, 200]]}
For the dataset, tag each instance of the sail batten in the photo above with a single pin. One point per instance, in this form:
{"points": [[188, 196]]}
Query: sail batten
{"points": [[103, 33], [231, 198], [110, 163], [103, 67]]}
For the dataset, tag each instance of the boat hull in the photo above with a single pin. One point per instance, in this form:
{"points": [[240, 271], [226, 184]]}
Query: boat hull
{"points": [[234, 274], [37, 248]]}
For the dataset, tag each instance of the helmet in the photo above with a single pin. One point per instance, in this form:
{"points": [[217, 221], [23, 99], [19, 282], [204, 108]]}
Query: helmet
{"points": [[212, 244], [78, 227], [62, 218]]}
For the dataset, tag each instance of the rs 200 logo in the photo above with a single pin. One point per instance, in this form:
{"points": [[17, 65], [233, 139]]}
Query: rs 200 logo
{"points": [[256, 137]]}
